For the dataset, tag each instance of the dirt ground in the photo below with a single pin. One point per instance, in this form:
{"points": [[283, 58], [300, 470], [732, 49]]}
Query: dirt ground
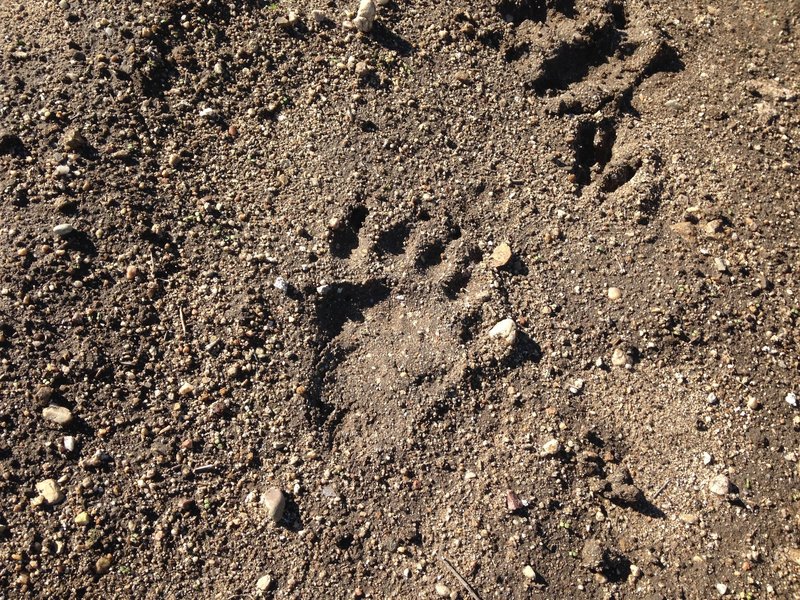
{"points": [[496, 300]]}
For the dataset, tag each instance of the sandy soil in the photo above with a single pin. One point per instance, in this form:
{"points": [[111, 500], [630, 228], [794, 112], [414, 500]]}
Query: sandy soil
{"points": [[495, 300]]}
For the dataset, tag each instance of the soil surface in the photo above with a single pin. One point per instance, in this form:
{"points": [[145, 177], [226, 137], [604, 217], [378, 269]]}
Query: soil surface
{"points": [[496, 300]]}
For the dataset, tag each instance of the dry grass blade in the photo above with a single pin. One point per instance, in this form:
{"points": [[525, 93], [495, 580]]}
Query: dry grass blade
{"points": [[470, 590]]}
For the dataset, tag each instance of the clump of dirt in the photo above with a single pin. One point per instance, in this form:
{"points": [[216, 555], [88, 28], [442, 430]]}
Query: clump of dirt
{"points": [[494, 300]]}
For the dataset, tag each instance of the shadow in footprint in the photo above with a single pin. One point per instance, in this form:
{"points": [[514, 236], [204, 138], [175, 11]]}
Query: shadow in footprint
{"points": [[12, 145], [292, 517], [527, 350], [345, 239], [347, 303], [393, 240]]}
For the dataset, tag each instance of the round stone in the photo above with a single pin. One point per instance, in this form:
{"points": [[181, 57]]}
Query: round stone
{"points": [[442, 590], [58, 415], [505, 330], [614, 293], [63, 229]]}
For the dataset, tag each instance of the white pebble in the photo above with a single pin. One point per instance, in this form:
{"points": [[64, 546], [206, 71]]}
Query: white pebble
{"points": [[505, 330], [551, 447], [720, 485], [281, 284], [791, 399], [63, 229]]}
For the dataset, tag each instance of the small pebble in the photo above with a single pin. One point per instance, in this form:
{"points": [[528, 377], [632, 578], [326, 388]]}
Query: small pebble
{"points": [[57, 414], [722, 589], [505, 330], [551, 447], [442, 590], [131, 272], [50, 491], [791, 399], [365, 18], [753, 403], [720, 485], [263, 583], [69, 443], [614, 293], [185, 389], [103, 564], [528, 571], [501, 255], [63, 229], [274, 501], [82, 519], [281, 284], [619, 358]]}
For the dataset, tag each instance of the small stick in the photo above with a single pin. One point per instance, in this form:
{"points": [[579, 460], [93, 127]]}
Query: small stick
{"points": [[661, 489], [461, 580], [183, 323]]}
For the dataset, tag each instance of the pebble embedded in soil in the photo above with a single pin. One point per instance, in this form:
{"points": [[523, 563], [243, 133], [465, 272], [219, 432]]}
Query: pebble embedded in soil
{"points": [[82, 519], [442, 590], [74, 141], [263, 583], [791, 399], [63, 229], [501, 255], [720, 485], [619, 358], [614, 293], [50, 491], [185, 389], [505, 330], [274, 502], [103, 564], [551, 447], [58, 415], [131, 272], [281, 284], [529, 572]]}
